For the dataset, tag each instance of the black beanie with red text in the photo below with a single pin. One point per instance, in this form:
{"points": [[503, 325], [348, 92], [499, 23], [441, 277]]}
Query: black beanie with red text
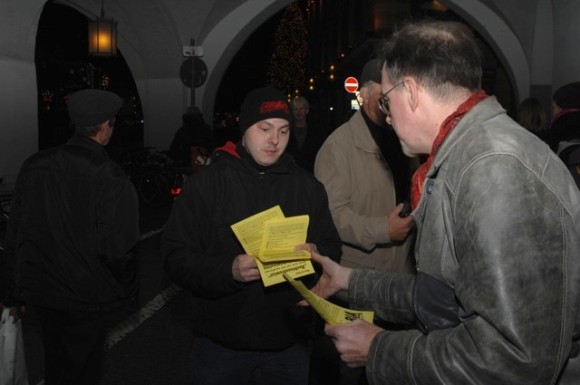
{"points": [[261, 104]]}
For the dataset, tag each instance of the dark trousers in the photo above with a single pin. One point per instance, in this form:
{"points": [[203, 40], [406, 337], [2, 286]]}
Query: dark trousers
{"points": [[73, 345], [213, 364]]}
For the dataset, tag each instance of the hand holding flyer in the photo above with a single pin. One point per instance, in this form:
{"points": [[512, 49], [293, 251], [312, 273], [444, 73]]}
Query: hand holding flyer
{"points": [[331, 313], [270, 238]]}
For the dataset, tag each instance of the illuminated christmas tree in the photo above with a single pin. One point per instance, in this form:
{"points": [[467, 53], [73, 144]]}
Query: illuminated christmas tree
{"points": [[286, 70]]}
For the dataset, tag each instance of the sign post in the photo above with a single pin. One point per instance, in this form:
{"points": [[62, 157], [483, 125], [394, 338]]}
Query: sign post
{"points": [[193, 71]]}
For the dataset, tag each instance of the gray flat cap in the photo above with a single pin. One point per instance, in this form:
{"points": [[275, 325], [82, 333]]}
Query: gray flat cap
{"points": [[91, 107]]}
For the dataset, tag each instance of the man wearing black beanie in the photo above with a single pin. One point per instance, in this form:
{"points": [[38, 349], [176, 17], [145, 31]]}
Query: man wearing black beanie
{"points": [[243, 329]]}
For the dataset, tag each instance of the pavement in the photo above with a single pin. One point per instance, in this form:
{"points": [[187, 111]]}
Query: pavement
{"points": [[150, 341]]}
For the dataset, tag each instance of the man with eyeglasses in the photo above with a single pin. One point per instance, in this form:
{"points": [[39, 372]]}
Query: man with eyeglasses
{"points": [[496, 296], [367, 178]]}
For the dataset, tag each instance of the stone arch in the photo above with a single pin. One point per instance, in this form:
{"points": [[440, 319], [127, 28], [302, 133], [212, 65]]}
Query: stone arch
{"points": [[501, 38], [225, 39]]}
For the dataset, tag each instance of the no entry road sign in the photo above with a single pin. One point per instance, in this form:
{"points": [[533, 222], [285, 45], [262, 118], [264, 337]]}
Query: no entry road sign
{"points": [[351, 84]]}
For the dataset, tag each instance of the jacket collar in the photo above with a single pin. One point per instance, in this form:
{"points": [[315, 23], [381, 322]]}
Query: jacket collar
{"points": [[230, 152], [483, 111], [88, 143], [362, 137]]}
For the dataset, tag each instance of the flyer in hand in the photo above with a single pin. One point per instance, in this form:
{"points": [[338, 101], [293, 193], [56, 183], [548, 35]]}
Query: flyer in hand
{"points": [[330, 313], [270, 237]]}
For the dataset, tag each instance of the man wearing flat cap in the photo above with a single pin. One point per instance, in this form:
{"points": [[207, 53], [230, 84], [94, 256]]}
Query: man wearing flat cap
{"points": [[71, 237], [243, 328]]}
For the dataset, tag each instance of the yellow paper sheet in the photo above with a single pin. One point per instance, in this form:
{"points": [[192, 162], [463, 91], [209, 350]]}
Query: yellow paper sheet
{"points": [[331, 313], [250, 233], [273, 273], [281, 235]]}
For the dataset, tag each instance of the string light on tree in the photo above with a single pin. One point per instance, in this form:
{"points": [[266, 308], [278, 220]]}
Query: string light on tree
{"points": [[286, 70]]}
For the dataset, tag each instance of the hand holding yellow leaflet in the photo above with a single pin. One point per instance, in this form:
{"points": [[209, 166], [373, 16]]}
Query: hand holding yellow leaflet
{"points": [[331, 313], [270, 238]]}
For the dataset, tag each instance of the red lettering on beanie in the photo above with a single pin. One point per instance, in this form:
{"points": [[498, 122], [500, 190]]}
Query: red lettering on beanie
{"points": [[277, 105]]}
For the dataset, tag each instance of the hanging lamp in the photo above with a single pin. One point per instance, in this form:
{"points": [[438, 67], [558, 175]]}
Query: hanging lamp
{"points": [[103, 35]]}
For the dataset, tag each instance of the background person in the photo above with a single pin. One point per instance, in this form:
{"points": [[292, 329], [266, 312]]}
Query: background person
{"points": [[193, 141], [494, 301], [305, 137], [565, 122], [71, 237], [242, 329], [367, 178], [532, 115]]}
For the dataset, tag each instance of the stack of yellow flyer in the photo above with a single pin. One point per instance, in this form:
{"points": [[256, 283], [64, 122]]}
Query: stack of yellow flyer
{"points": [[270, 237], [330, 313]]}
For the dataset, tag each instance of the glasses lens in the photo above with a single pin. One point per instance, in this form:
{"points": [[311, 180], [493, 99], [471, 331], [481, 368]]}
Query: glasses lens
{"points": [[384, 104]]}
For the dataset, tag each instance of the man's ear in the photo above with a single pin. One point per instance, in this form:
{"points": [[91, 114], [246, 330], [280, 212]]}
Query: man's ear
{"points": [[364, 93], [412, 92]]}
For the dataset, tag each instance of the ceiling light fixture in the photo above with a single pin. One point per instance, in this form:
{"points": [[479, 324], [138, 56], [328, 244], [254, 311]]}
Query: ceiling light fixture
{"points": [[103, 35]]}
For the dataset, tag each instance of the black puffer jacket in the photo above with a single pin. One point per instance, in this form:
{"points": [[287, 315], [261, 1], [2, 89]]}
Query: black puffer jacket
{"points": [[73, 227], [200, 246]]}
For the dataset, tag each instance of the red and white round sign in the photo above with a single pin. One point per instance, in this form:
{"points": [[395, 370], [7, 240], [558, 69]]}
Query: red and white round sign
{"points": [[351, 84]]}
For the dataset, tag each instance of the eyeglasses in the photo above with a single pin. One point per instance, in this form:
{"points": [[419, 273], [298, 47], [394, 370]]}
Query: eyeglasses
{"points": [[384, 100]]}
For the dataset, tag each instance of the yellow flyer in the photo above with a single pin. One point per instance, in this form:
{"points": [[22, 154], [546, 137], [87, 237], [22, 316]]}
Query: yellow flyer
{"points": [[271, 235], [273, 273], [281, 235], [250, 231], [331, 313]]}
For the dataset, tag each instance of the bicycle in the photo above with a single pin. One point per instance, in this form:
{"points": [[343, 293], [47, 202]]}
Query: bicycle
{"points": [[156, 181]]}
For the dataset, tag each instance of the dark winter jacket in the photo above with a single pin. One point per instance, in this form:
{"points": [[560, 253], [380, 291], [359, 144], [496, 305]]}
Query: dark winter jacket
{"points": [[200, 247], [72, 231], [564, 128]]}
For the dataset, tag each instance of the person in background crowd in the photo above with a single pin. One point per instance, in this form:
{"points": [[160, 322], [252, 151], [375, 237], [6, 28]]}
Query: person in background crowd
{"points": [[532, 115], [70, 242], [367, 178], [305, 138], [564, 134], [193, 141], [565, 123], [496, 296], [245, 331]]}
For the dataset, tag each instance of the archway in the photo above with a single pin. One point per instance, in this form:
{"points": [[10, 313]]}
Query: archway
{"points": [[501, 38], [63, 66]]}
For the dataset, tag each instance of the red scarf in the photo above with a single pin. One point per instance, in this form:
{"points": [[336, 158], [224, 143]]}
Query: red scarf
{"points": [[451, 121]]}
